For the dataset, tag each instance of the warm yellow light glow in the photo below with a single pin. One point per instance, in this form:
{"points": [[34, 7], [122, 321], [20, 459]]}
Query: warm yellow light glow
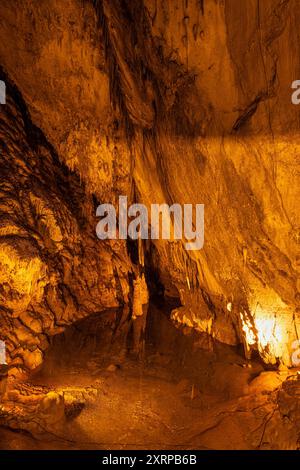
{"points": [[268, 332], [247, 328]]}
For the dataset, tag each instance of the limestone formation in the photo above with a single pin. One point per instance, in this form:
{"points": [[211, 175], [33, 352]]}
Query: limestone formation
{"points": [[164, 102]]}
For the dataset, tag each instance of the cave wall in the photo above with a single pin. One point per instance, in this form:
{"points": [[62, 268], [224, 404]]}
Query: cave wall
{"points": [[52, 272], [189, 101]]}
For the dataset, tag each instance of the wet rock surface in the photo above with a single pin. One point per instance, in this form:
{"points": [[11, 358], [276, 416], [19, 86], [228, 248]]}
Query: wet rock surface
{"points": [[140, 113], [163, 102]]}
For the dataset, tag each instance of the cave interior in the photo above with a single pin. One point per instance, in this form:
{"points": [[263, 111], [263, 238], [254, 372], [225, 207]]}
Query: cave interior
{"points": [[162, 102]]}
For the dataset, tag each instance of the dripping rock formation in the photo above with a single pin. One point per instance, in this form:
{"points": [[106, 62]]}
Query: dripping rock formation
{"points": [[162, 101]]}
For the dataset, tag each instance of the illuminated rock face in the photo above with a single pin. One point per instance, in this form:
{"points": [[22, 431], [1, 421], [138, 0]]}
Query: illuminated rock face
{"points": [[186, 102], [51, 269]]}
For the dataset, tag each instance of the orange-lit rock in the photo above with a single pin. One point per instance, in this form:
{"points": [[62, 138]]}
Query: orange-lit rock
{"points": [[166, 102]]}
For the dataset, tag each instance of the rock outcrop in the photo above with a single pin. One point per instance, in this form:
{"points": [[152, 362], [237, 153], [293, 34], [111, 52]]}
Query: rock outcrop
{"points": [[165, 101], [51, 268]]}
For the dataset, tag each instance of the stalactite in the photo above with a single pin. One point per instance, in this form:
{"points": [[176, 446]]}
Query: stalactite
{"points": [[116, 93], [201, 5]]}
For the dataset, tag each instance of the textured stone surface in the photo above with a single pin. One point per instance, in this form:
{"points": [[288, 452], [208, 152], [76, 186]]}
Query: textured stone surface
{"points": [[163, 101], [51, 268]]}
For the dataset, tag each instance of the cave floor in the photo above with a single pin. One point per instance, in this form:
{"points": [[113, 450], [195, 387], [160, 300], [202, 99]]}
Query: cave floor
{"points": [[142, 407], [181, 397]]}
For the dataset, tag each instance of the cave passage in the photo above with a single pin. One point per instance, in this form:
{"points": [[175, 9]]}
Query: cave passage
{"points": [[184, 383], [188, 391], [183, 331]]}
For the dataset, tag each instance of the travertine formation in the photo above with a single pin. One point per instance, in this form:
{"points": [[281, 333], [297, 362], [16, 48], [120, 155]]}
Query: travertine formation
{"points": [[162, 101]]}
